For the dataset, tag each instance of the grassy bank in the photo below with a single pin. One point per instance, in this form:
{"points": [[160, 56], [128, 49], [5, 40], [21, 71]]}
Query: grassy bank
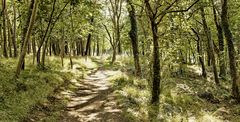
{"points": [[18, 97]]}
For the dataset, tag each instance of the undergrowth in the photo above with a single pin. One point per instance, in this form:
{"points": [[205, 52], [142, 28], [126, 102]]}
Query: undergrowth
{"points": [[19, 96], [184, 97]]}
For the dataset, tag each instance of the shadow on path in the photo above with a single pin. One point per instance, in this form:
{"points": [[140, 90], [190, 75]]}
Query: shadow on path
{"points": [[93, 101]]}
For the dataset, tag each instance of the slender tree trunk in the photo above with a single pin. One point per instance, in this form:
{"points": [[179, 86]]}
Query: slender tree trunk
{"points": [[88, 45], [52, 24], [199, 50], [134, 37], [70, 58], [82, 47], [94, 48], [50, 47], [222, 72], [1, 37], [78, 48], [4, 10], [9, 41], [231, 50], [156, 65], [156, 57], [210, 46], [34, 49], [98, 48], [113, 44], [62, 45], [44, 53], [114, 55], [14, 29], [72, 33], [24, 31], [45, 35], [221, 56], [209, 61], [33, 9], [11, 38], [118, 39]]}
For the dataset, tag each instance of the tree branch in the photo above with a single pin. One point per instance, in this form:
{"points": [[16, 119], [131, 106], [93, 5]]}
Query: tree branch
{"points": [[110, 38], [184, 10]]}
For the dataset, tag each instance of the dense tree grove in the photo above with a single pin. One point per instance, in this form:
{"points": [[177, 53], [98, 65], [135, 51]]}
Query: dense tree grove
{"points": [[162, 37]]}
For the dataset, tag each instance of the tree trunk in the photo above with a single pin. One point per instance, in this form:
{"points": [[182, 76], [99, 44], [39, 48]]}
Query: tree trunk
{"points": [[199, 50], [221, 58], [44, 53], [4, 10], [34, 49], [210, 46], [94, 48], [114, 55], [11, 38], [45, 35], [98, 48], [33, 9], [24, 31], [62, 45], [82, 47], [50, 47], [9, 41], [71, 43], [14, 29], [78, 48], [156, 64], [231, 50], [88, 45], [222, 72], [134, 37]]}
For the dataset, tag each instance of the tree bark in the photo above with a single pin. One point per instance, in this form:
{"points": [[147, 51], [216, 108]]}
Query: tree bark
{"points": [[14, 29], [222, 72], [199, 50], [231, 50], [134, 37], [156, 57], [88, 45], [33, 9], [62, 49], [114, 55], [98, 48], [113, 44], [9, 42], [4, 10], [210, 46], [156, 64], [34, 48], [45, 35]]}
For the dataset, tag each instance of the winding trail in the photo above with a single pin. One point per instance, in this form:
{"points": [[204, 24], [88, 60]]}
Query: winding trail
{"points": [[93, 101]]}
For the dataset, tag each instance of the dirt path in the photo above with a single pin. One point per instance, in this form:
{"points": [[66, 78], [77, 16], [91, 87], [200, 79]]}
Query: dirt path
{"points": [[93, 101]]}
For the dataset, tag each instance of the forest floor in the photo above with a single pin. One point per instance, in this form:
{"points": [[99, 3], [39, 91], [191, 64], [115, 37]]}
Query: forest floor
{"points": [[87, 97], [95, 90], [93, 99]]}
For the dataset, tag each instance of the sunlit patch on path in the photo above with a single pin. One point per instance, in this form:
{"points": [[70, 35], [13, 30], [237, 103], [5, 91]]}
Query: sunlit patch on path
{"points": [[93, 101]]}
